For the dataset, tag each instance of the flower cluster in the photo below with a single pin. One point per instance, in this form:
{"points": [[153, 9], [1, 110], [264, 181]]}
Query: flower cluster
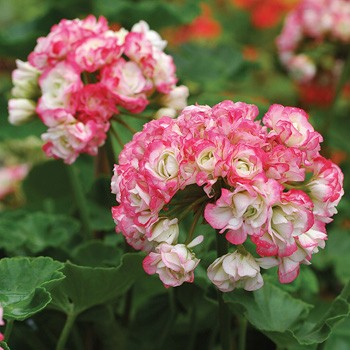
{"points": [[258, 180], [82, 73], [313, 43]]}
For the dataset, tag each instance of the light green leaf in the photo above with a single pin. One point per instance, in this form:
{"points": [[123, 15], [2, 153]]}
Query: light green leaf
{"points": [[25, 285]]}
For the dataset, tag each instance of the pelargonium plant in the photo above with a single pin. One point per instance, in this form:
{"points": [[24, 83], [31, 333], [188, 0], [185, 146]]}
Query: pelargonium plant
{"points": [[83, 73], [258, 183], [314, 41]]}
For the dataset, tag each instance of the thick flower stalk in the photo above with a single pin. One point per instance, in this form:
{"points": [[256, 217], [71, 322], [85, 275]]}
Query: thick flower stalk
{"points": [[82, 74], [313, 44], [262, 181]]}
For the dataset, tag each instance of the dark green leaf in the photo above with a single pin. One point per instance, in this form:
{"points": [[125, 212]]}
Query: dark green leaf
{"points": [[157, 13], [97, 254]]}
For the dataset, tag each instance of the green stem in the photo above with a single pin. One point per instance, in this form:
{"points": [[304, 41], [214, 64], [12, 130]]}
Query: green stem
{"points": [[110, 154], [192, 328], [80, 200], [224, 314], [8, 329], [171, 318], [117, 137], [196, 218], [243, 323], [192, 206], [137, 116], [65, 331], [127, 306], [126, 125]]}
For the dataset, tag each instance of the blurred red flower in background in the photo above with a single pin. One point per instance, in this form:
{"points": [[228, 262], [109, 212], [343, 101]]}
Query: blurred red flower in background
{"points": [[267, 13], [205, 26]]}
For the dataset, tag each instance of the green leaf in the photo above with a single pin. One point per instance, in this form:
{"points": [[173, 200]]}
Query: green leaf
{"points": [[337, 250], [96, 254], [340, 337], [287, 320], [21, 232], [48, 183], [25, 285], [11, 234], [192, 62], [319, 330], [269, 308], [85, 287], [129, 12], [157, 312], [48, 230], [101, 201], [4, 345]]}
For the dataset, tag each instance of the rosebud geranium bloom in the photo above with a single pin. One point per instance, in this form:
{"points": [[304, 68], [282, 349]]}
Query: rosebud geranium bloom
{"points": [[235, 270], [312, 43], [10, 177], [173, 263], [82, 74], [258, 180]]}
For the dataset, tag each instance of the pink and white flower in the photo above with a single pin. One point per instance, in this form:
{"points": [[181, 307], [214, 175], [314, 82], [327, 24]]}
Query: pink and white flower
{"points": [[246, 177], [88, 73], [25, 81], [164, 230], [10, 177], [173, 263], [21, 110], [235, 270], [310, 26], [325, 188]]}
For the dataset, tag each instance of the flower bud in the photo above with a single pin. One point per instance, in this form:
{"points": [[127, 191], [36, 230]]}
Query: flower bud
{"points": [[165, 230], [25, 80], [173, 263], [21, 110], [177, 98], [235, 270]]}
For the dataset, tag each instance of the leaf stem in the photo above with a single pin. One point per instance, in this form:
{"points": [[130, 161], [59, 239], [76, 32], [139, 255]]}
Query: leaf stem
{"points": [[171, 318], [65, 331], [8, 329], [80, 200], [192, 206], [224, 314], [196, 218], [192, 327], [243, 323]]}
